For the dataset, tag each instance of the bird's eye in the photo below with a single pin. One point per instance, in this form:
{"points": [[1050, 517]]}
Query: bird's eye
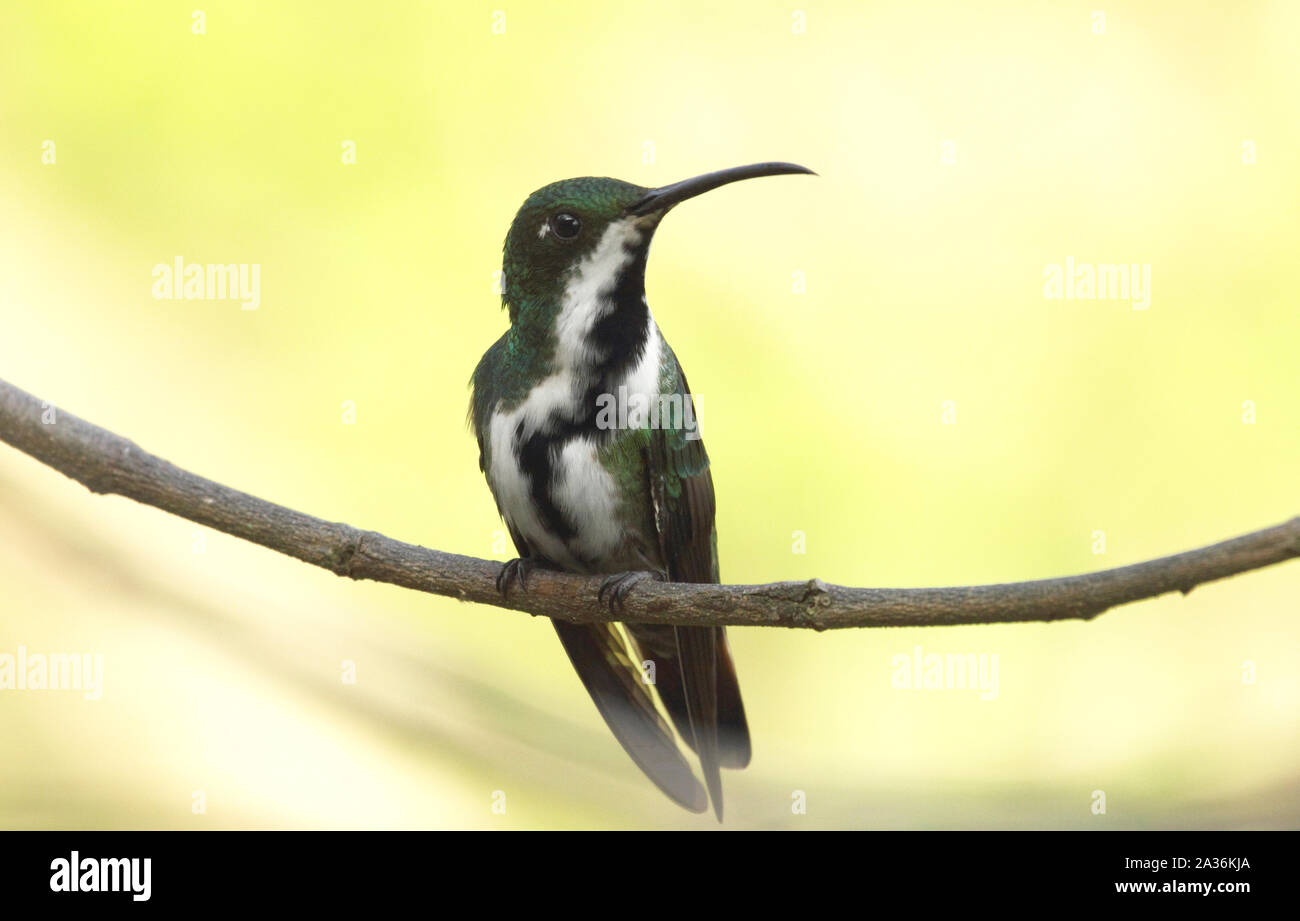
{"points": [[566, 225]]}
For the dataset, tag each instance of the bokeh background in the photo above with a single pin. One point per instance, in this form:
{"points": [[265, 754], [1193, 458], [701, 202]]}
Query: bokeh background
{"points": [[962, 149]]}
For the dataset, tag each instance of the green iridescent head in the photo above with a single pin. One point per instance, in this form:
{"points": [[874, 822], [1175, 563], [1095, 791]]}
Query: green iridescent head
{"points": [[594, 228], [559, 226]]}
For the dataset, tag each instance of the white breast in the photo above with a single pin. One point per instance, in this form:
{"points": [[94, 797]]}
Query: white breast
{"points": [[581, 488]]}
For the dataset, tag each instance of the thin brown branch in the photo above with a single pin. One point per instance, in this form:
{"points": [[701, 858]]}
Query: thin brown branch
{"points": [[108, 463]]}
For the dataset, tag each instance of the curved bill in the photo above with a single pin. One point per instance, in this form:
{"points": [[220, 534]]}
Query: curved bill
{"points": [[661, 199]]}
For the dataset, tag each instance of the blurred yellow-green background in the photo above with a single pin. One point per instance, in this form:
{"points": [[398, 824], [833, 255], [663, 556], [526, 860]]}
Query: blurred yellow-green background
{"points": [[882, 384]]}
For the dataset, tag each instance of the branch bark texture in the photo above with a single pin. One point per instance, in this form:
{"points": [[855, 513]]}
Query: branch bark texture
{"points": [[107, 463]]}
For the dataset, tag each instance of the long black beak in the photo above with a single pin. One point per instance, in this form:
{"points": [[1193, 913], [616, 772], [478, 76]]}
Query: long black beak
{"points": [[661, 199]]}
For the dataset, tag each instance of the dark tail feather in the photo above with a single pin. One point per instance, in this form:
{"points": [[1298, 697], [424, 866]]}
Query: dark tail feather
{"points": [[733, 728], [613, 680], [697, 655], [659, 645]]}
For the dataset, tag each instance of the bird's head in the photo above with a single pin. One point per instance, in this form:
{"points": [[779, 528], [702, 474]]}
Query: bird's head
{"points": [[590, 236]]}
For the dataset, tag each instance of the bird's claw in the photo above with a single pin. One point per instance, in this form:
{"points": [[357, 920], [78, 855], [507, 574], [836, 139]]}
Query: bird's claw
{"points": [[514, 571], [614, 590]]}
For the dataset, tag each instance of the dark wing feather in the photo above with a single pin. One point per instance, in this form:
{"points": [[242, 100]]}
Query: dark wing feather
{"points": [[696, 678]]}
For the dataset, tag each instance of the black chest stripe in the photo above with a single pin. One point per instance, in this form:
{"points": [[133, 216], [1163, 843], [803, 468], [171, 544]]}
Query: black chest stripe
{"points": [[620, 335], [620, 338], [536, 455]]}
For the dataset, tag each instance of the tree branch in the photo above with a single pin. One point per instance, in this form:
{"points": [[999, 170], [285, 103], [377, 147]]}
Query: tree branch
{"points": [[108, 463]]}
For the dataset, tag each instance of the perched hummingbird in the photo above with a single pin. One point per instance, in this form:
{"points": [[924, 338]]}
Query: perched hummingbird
{"points": [[625, 494]]}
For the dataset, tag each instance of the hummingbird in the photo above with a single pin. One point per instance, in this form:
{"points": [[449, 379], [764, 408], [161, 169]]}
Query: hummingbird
{"points": [[587, 484]]}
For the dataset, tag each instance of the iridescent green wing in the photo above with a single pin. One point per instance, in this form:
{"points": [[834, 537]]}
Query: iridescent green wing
{"points": [[681, 483], [696, 678]]}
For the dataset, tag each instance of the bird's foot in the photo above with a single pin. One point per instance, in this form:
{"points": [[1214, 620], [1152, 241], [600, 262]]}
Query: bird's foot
{"points": [[614, 590], [515, 571]]}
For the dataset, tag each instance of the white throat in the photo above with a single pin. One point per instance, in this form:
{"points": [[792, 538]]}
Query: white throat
{"points": [[587, 293]]}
